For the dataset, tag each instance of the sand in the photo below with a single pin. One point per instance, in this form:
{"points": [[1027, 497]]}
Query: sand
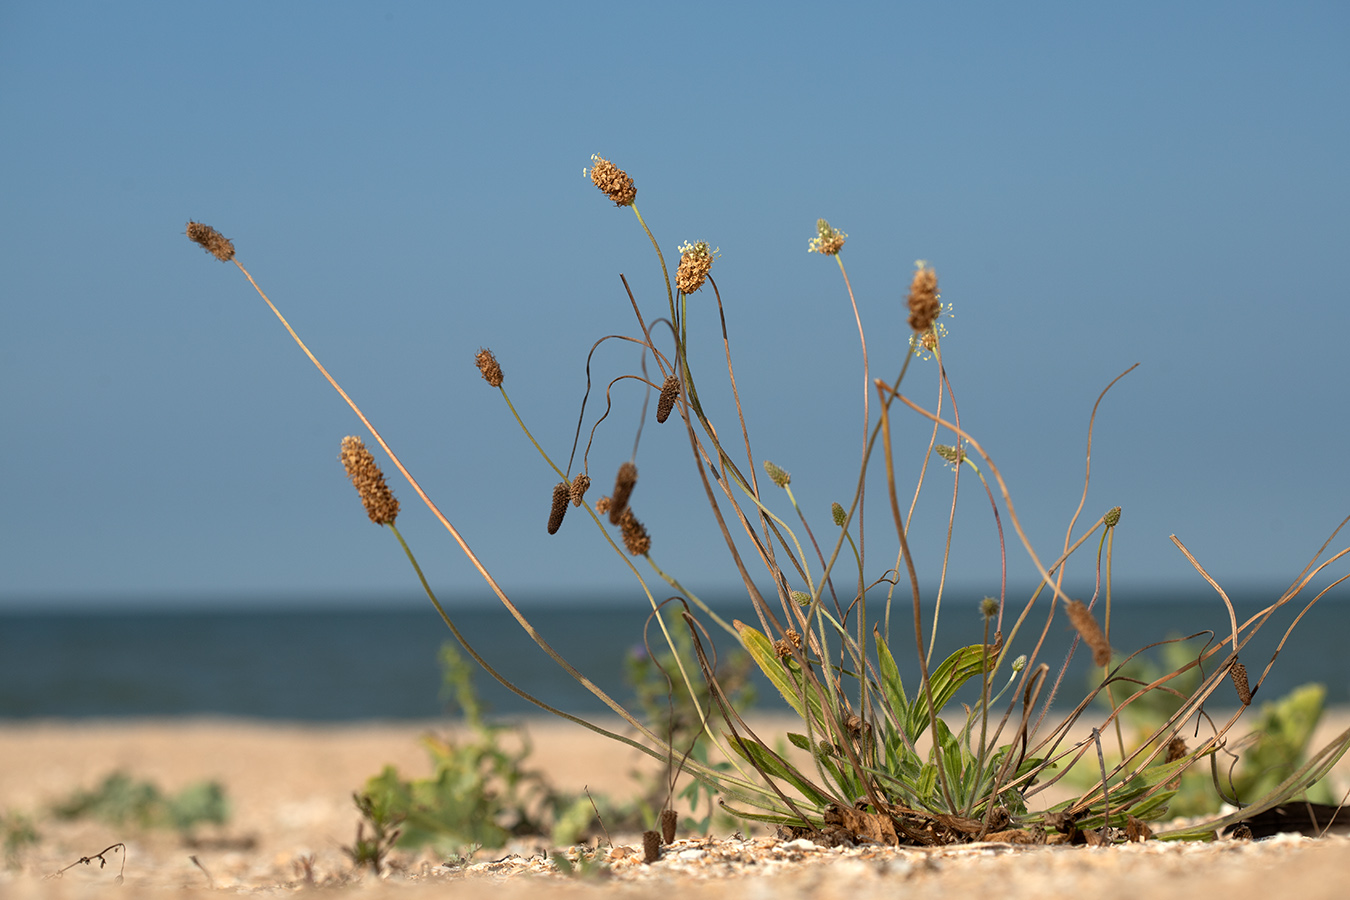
{"points": [[290, 786]]}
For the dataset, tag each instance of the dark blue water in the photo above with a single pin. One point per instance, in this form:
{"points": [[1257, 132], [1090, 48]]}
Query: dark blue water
{"points": [[367, 663]]}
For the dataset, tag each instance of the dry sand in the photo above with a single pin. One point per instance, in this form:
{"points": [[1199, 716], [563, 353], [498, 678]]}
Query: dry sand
{"points": [[290, 788]]}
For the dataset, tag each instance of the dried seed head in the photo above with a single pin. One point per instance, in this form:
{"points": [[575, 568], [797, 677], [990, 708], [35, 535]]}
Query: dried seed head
{"points": [[1176, 749], [778, 476], [669, 392], [838, 514], [801, 598], [561, 495], [602, 505], [827, 240], [211, 241], [695, 262], [790, 642], [1137, 830], [613, 181], [858, 728], [1112, 517], [1239, 675], [1241, 832], [651, 846], [368, 480], [924, 305], [624, 482], [635, 538], [488, 365], [1089, 630], [579, 486], [988, 607], [669, 819]]}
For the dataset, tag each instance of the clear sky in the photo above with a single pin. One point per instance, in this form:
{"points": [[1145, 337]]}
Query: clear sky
{"points": [[1096, 184]]}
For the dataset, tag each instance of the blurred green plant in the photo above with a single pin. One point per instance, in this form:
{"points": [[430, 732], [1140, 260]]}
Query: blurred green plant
{"points": [[1254, 766], [1278, 744], [122, 800], [384, 825], [675, 715], [18, 833], [480, 792]]}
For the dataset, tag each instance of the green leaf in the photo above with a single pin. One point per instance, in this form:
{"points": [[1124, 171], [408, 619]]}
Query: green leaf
{"points": [[944, 682], [772, 766], [891, 684], [785, 675]]}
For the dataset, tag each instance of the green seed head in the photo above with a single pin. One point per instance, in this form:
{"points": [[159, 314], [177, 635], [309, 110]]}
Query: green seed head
{"points": [[953, 455], [776, 475], [840, 516]]}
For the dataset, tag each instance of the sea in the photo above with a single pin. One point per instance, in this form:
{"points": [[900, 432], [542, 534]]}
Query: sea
{"points": [[379, 660]]}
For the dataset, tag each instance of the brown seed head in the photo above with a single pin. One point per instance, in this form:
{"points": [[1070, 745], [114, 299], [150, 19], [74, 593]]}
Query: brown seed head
{"points": [[613, 181], [1137, 830], [561, 494], [211, 241], [827, 240], [791, 641], [669, 819], [602, 505], [1239, 676], [778, 476], [635, 538], [1089, 630], [368, 480], [579, 486], [670, 391], [651, 846], [624, 482], [695, 262], [924, 306], [488, 365], [1176, 749]]}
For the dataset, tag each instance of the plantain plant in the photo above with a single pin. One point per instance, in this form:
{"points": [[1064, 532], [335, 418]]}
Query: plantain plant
{"points": [[959, 749]]}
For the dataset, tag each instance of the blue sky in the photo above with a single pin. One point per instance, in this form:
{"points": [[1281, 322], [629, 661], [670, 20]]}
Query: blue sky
{"points": [[1097, 185]]}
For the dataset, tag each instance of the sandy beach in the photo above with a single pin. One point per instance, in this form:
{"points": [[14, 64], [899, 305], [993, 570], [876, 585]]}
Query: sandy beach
{"points": [[290, 790]]}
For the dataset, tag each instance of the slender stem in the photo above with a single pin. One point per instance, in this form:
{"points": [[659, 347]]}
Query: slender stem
{"points": [[454, 532], [523, 428]]}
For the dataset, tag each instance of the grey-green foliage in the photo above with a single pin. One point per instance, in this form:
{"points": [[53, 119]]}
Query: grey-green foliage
{"points": [[673, 714], [480, 792], [1277, 745], [1281, 737], [123, 800]]}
